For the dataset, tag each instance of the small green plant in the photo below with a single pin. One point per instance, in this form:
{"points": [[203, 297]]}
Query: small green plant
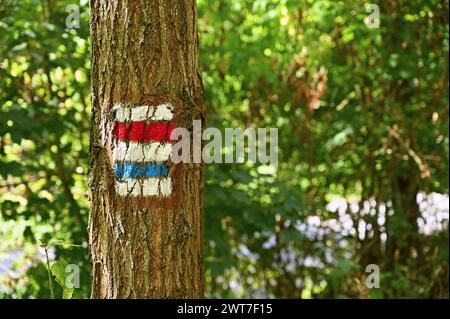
{"points": [[59, 270]]}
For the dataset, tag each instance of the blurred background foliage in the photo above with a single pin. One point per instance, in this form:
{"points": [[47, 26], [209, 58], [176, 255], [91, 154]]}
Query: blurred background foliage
{"points": [[363, 140]]}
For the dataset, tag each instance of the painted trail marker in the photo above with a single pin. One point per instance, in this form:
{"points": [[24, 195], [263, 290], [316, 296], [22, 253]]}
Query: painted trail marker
{"points": [[142, 150]]}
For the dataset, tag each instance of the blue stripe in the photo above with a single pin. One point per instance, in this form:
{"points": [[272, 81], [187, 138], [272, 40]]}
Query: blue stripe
{"points": [[135, 170]]}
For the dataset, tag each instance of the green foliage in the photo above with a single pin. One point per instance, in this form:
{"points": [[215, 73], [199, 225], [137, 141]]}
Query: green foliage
{"points": [[362, 116], [59, 271], [44, 121]]}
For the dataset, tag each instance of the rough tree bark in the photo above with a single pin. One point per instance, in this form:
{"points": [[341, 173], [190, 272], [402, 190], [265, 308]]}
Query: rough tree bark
{"points": [[144, 51]]}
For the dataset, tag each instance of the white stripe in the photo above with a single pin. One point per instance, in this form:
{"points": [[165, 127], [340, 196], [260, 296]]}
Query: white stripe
{"points": [[165, 187], [162, 112], [147, 187], [129, 187], [150, 187], [138, 152]]}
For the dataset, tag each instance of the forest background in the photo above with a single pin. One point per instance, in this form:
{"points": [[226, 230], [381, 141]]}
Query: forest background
{"points": [[362, 113]]}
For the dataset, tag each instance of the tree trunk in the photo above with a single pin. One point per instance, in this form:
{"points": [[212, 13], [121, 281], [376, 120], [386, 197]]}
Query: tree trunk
{"points": [[144, 53]]}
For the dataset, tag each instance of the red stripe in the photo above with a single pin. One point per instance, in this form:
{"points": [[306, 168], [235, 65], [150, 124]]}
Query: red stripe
{"points": [[143, 132]]}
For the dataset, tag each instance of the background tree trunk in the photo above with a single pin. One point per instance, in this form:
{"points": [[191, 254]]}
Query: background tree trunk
{"points": [[144, 49]]}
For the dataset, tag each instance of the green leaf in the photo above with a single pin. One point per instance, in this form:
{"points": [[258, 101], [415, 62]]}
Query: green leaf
{"points": [[68, 293], [59, 272], [19, 47]]}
